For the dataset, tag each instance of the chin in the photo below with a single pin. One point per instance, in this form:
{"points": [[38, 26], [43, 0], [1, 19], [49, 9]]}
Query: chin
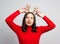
{"points": [[29, 25]]}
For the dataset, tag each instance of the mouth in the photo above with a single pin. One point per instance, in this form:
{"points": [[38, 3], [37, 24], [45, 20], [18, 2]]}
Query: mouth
{"points": [[29, 22]]}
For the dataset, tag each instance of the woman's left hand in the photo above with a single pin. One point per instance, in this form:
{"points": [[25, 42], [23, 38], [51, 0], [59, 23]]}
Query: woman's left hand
{"points": [[39, 13]]}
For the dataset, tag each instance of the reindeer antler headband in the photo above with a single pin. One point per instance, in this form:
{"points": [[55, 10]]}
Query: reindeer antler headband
{"points": [[28, 9]]}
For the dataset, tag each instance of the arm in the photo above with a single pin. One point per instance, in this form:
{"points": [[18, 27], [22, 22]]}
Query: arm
{"points": [[9, 21], [50, 24]]}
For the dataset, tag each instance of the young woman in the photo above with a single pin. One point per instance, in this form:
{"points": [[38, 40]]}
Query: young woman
{"points": [[29, 33]]}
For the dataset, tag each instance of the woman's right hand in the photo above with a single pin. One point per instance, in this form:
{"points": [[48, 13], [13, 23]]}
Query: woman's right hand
{"points": [[22, 10]]}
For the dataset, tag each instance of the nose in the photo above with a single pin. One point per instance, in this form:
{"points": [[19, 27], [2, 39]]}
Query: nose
{"points": [[28, 19]]}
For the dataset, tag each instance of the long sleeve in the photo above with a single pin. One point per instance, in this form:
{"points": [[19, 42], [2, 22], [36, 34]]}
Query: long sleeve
{"points": [[50, 25], [9, 21]]}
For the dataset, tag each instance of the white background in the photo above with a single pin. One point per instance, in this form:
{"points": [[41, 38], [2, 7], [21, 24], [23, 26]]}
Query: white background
{"points": [[51, 8]]}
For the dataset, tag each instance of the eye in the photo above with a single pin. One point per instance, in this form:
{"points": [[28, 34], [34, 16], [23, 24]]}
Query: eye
{"points": [[31, 17], [27, 17]]}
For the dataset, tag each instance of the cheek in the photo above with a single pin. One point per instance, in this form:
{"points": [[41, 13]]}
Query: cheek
{"points": [[26, 20], [32, 20]]}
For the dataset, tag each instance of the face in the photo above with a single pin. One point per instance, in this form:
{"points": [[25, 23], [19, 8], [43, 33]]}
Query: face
{"points": [[29, 19]]}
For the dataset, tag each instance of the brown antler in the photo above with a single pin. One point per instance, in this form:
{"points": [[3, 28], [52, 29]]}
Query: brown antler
{"points": [[34, 10], [27, 8]]}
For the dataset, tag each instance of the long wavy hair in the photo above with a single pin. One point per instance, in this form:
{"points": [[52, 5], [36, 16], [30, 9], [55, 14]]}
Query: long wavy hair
{"points": [[24, 26]]}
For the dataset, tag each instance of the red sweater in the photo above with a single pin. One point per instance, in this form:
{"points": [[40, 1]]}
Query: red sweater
{"points": [[28, 37]]}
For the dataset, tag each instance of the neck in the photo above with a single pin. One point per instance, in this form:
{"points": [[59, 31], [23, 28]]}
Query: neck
{"points": [[29, 26]]}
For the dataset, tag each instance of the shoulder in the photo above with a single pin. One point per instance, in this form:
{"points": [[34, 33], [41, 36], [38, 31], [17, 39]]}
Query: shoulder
{"points": [[18, 26], [39, 26]]}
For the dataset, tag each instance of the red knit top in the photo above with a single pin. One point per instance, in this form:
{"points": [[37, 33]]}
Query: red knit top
{"points": [[28, 37]]}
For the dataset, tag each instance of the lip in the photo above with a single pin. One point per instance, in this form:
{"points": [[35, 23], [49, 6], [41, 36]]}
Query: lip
{"points": [[29, 22]]}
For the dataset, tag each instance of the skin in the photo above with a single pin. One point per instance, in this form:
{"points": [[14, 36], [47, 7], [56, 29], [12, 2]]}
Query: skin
{"points": [[29, 19]]}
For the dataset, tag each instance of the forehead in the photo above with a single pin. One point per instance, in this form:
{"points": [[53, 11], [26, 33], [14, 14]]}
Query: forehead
{"points": [[30, 15]]}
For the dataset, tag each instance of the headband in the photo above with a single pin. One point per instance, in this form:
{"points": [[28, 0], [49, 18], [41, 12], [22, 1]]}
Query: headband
{"points": [[28, 8]]}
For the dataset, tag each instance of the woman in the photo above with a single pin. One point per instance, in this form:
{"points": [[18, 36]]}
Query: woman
{"points": [[29, 33]]}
